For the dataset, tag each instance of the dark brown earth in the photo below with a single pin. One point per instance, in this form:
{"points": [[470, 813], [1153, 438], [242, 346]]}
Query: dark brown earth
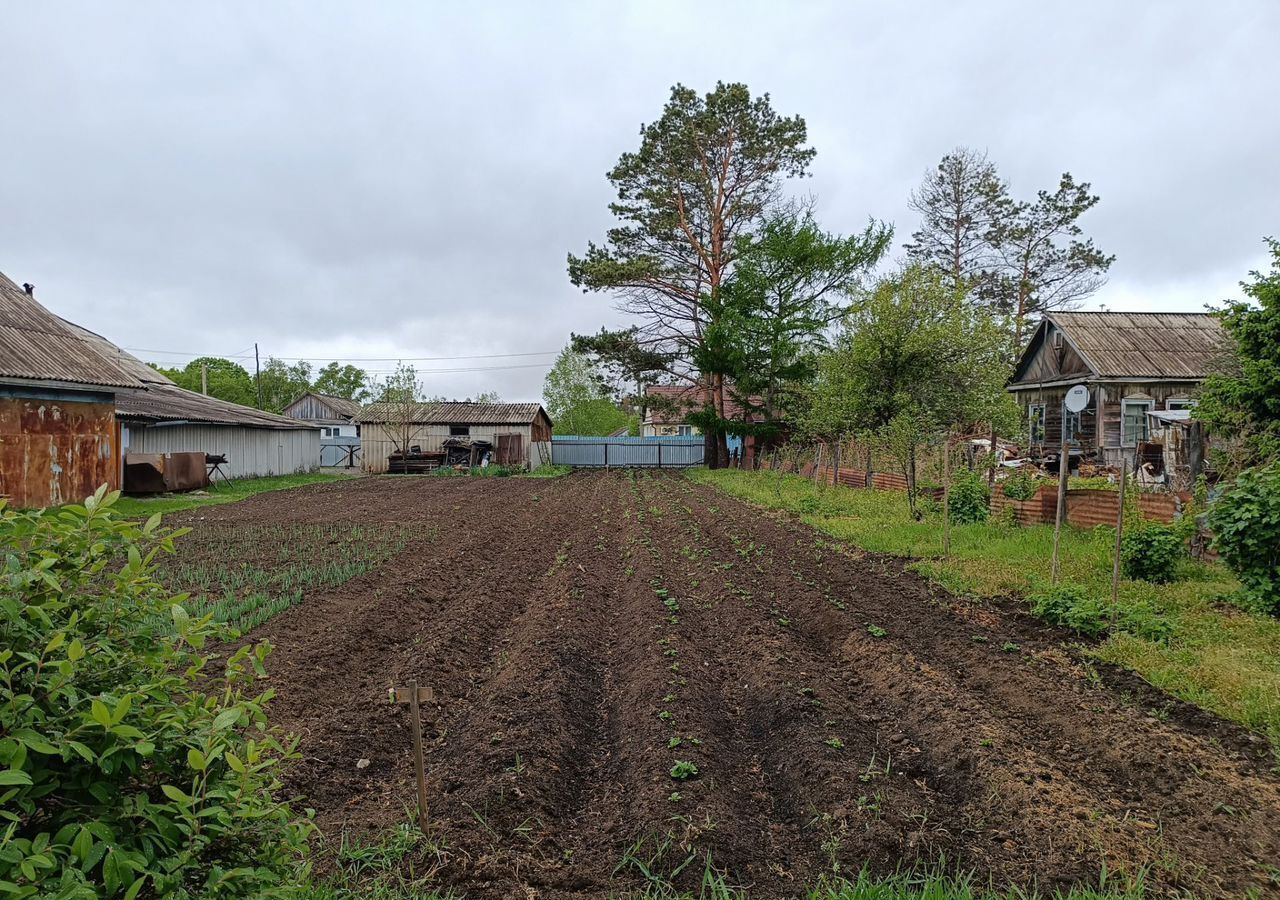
{"points": [[533, 608]]}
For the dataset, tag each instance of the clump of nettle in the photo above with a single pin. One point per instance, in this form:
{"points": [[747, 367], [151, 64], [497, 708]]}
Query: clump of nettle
{"points": [[126, 767]]}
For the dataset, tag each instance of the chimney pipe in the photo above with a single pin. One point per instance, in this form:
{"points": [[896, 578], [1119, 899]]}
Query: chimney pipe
{"points": [[29, 288]]}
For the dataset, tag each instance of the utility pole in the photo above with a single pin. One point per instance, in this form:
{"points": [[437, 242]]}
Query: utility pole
{"points": [[257, 373], [204, 379]]}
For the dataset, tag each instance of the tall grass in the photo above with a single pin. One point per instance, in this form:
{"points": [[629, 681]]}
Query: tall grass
{"points": [[1184, 637]]}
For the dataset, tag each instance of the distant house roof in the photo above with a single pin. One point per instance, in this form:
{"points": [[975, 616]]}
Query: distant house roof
{"points": [[343, 406], [457, 413], [1120, 345], [36, 345], [676, 401], [317, 407], [157, 399]]}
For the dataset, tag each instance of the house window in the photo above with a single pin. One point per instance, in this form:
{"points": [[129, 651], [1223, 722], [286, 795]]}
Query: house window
{"points": [[1035, 419], [459, 430], [685, 431], [1071, 422], [1136, 427], [1180, 403]]}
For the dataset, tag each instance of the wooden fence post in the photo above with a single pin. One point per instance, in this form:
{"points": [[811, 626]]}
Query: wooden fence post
{"points": [[1061, 513], [1115, 563], [946, 495]]}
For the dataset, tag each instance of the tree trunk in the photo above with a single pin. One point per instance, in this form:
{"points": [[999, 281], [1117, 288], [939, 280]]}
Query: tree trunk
{"points": [[911, 483]]}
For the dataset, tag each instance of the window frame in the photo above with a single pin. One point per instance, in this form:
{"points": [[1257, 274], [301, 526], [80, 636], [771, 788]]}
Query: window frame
{"points": [[459, 431], [1146, 404], [1072, 422], [1032, 422]]}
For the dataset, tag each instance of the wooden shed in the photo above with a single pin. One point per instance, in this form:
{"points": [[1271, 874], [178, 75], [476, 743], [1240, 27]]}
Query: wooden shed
{"points": [[1134, 364], [59, 440], [387, 428]]}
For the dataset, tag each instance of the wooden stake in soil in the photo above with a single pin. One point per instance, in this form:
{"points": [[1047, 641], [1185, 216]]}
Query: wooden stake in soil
{"points": [[414, 695]]}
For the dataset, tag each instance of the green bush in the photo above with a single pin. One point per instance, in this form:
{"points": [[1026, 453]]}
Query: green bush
{"points": [[1151, 552], [1245, 521], [1072, 606], [1020, 486], [125, 768], [969, 500]]}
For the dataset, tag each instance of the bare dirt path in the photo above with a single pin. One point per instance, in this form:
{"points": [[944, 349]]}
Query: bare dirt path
{"points": [[584, 635]]}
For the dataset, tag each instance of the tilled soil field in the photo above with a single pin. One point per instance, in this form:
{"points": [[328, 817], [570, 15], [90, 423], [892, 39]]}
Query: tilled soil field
{"points": [[584, 635]]}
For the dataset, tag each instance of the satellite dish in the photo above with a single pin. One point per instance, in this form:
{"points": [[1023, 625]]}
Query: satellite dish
{"points": [[1077, 398]]}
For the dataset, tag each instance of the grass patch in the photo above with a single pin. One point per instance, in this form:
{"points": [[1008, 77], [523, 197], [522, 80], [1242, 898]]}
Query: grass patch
{"points": [[549, 471], [1181, 637], [222, 492]]}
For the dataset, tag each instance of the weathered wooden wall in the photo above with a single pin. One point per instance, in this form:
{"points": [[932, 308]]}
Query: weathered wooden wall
{"points": [[376, 444], [56, 451]]}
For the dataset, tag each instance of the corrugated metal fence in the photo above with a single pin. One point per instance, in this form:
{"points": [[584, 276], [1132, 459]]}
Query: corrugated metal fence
{"points": [[626, 452]]}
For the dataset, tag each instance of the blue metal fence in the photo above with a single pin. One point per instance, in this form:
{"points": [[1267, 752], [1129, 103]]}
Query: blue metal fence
{"points": [[626, 452]]}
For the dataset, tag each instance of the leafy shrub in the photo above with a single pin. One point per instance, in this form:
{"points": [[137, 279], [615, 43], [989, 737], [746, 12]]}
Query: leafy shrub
{"points": [[1245, 521], [1151, 552], [969, 500], [1020, 486], [119, 774], [1072, 606]]}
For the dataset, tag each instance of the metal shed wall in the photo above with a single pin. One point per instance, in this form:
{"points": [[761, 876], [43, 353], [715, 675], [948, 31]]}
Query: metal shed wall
{"points": [[56, 451], [250, 452], [376, 445]]}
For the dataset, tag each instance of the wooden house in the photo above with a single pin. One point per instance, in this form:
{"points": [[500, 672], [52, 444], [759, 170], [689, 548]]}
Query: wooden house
{"points": [[1133, 364], [335, 416]]}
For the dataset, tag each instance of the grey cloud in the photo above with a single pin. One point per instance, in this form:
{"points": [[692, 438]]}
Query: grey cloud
{"points": [[404, 179]]}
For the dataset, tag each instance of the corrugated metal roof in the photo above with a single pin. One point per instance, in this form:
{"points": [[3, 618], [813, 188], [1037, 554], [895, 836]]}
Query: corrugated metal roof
{"points": [[1144, 345], [456, 413], [127, 361], [35, 344], [170, 403]]}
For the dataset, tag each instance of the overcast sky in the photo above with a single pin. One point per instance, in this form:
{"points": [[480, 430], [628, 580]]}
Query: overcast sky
{"points": [[404, 180]]}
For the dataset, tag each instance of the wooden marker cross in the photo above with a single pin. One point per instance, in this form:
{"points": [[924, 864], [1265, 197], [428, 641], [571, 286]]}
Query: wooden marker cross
{"points": [[414, 695]]}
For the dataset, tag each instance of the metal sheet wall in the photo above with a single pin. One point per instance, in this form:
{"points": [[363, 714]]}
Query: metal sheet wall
{"points": [[250, 452], [626, 452], [56, 451]]}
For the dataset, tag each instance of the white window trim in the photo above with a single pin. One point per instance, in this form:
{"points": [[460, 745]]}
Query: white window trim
{"points": [[1181, 403]]}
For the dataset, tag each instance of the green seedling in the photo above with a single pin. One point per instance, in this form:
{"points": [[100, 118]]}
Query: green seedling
{"points": [[675, 797], [665, 715], [683, 770], [674, 743], [1010, 647], [834, 743], [876, 631]]}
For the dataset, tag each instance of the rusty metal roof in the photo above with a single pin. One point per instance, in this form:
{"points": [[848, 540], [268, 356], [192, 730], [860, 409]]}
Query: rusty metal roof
{"points": [[170, 403], [1144, 345], [457, 413], [37, 345]]}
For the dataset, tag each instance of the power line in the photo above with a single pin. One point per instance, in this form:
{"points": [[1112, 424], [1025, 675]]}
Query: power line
{"points": [[348, 358]]}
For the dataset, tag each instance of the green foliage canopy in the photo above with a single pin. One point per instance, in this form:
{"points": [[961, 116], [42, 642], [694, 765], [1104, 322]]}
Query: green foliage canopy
{"points": [[1241, 402]]}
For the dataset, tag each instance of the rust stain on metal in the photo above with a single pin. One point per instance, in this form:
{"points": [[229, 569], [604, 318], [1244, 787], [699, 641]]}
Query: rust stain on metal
{"points": [[54, 452]]}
